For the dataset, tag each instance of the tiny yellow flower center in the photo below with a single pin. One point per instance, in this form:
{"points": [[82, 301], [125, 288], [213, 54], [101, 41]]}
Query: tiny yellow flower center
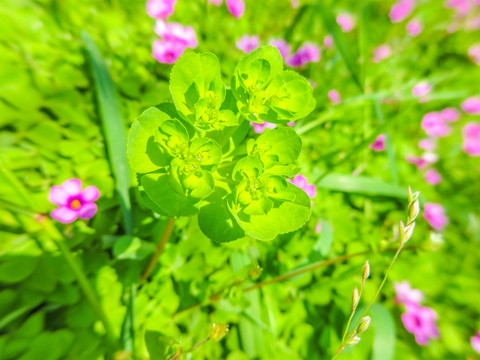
{"points": [[75, 204]]}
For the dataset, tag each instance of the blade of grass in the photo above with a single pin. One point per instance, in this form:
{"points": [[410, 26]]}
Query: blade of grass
{"points": [[116, 139]]}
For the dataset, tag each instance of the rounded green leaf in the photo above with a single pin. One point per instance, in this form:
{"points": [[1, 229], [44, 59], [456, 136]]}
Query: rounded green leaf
{"points": [[247, 168], [144, 155], [206, 151], [173, 137]]}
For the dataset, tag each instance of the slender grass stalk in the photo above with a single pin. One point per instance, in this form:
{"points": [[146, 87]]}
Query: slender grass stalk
{"points": [[160, 246]]}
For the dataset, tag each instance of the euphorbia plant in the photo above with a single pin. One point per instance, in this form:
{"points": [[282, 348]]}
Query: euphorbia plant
{"points": [[193, 156]]}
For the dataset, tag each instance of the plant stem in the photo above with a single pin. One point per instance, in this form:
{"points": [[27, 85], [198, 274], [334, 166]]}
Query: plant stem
{"points": [[160, 246], [82, 279]]}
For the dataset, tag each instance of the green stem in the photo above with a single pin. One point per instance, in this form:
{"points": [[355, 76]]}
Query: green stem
{"points": [[82, 279], [160, 246]]}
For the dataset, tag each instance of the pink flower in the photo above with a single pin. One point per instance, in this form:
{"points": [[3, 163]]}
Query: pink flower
{"points": [[302, 182], [405, 294], [295, 3], [346, 22], [414, 27], [421, 89], [471, 139], [381, 53], [334, 97], [450, 114], [475, 341], [307, 53], [433, 177], [248, 43], [318, 227], [328, 41], [401, 10], [474, 53], [434, 125], [421, 322], [291, 123], [422, 162], [236, 7], [282, 46], [461, 6], [471, 147], [215, 2], [177, 33], [471, 130], [435, 216], [160, 9], [167, 51], [427, 144], [379, 143], [471, 105], [260, 128], [72, 201]]}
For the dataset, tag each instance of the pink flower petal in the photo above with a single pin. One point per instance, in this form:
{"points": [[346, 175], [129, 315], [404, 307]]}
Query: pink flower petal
{"points": [[90, 194], [72, 186], [87, 211], [64, 215], [236, 7], [58, 196]]}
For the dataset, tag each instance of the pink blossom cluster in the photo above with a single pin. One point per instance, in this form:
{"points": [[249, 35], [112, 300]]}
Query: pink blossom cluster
{"points": [[307, 53], [401, 10], [334, 97], [428, 158], [467, 14], [346, 22], [72, 201], [302, 182], [260, 128], [381, 52], [421, 90], [471, 138], [234, 7], [174, 37], [418, 320], [436, 123], [435, 216], [248, 43], [414, 27]]}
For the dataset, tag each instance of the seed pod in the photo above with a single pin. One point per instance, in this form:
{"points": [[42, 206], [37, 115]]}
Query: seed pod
{"points": [[355, 298], [366, 270], [364, 324], [354, 340]]}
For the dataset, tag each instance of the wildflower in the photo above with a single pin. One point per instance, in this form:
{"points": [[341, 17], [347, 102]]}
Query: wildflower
{"points": [[471, 139], [73, 202], [381, 53], [236, 7], [215, 2], [318, 227], [435, 216], [450, 114], [405, 294], [176, 32], [307, 53], [302, 182], [346, 22], [379, 143], [433, 177], [248, 43], [474, 53], [421, 322], [422, 89], [167, 51], [434, 125], [260, 128], [401, 10], [328, 41], [295, 3], [471, 105], [334, 97], [462, 7], [160, 9], [422, 162], [475, 341], [282, 46], [414, 27], [427, 144]]}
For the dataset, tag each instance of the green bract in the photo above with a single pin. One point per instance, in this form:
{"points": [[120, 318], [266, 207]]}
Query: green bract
{"points": [[179, 163], [265, 92]]}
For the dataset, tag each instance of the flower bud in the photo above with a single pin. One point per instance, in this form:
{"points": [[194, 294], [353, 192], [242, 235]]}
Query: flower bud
{"points": [[218, 331], [408, 232], [366, 270], [355, 298], [354, 340], [364, 324], [413, 211]]}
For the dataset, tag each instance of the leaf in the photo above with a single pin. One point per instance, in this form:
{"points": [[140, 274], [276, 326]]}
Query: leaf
{"points": [[280, 146], [384, 333], [160, 192], [361, 185], [129, 247], [14, 269], [195, 77], [114, 127], [216, 221], [206, 151], [144, 154], [284, 217], [159, 346]]}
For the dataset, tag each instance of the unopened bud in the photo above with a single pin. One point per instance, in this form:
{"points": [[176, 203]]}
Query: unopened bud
{"points": [[364, 324], [354, 340], [413, 211], [366, 270], [410, 195], [408, 232], [218, 331], [355, 298]]}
